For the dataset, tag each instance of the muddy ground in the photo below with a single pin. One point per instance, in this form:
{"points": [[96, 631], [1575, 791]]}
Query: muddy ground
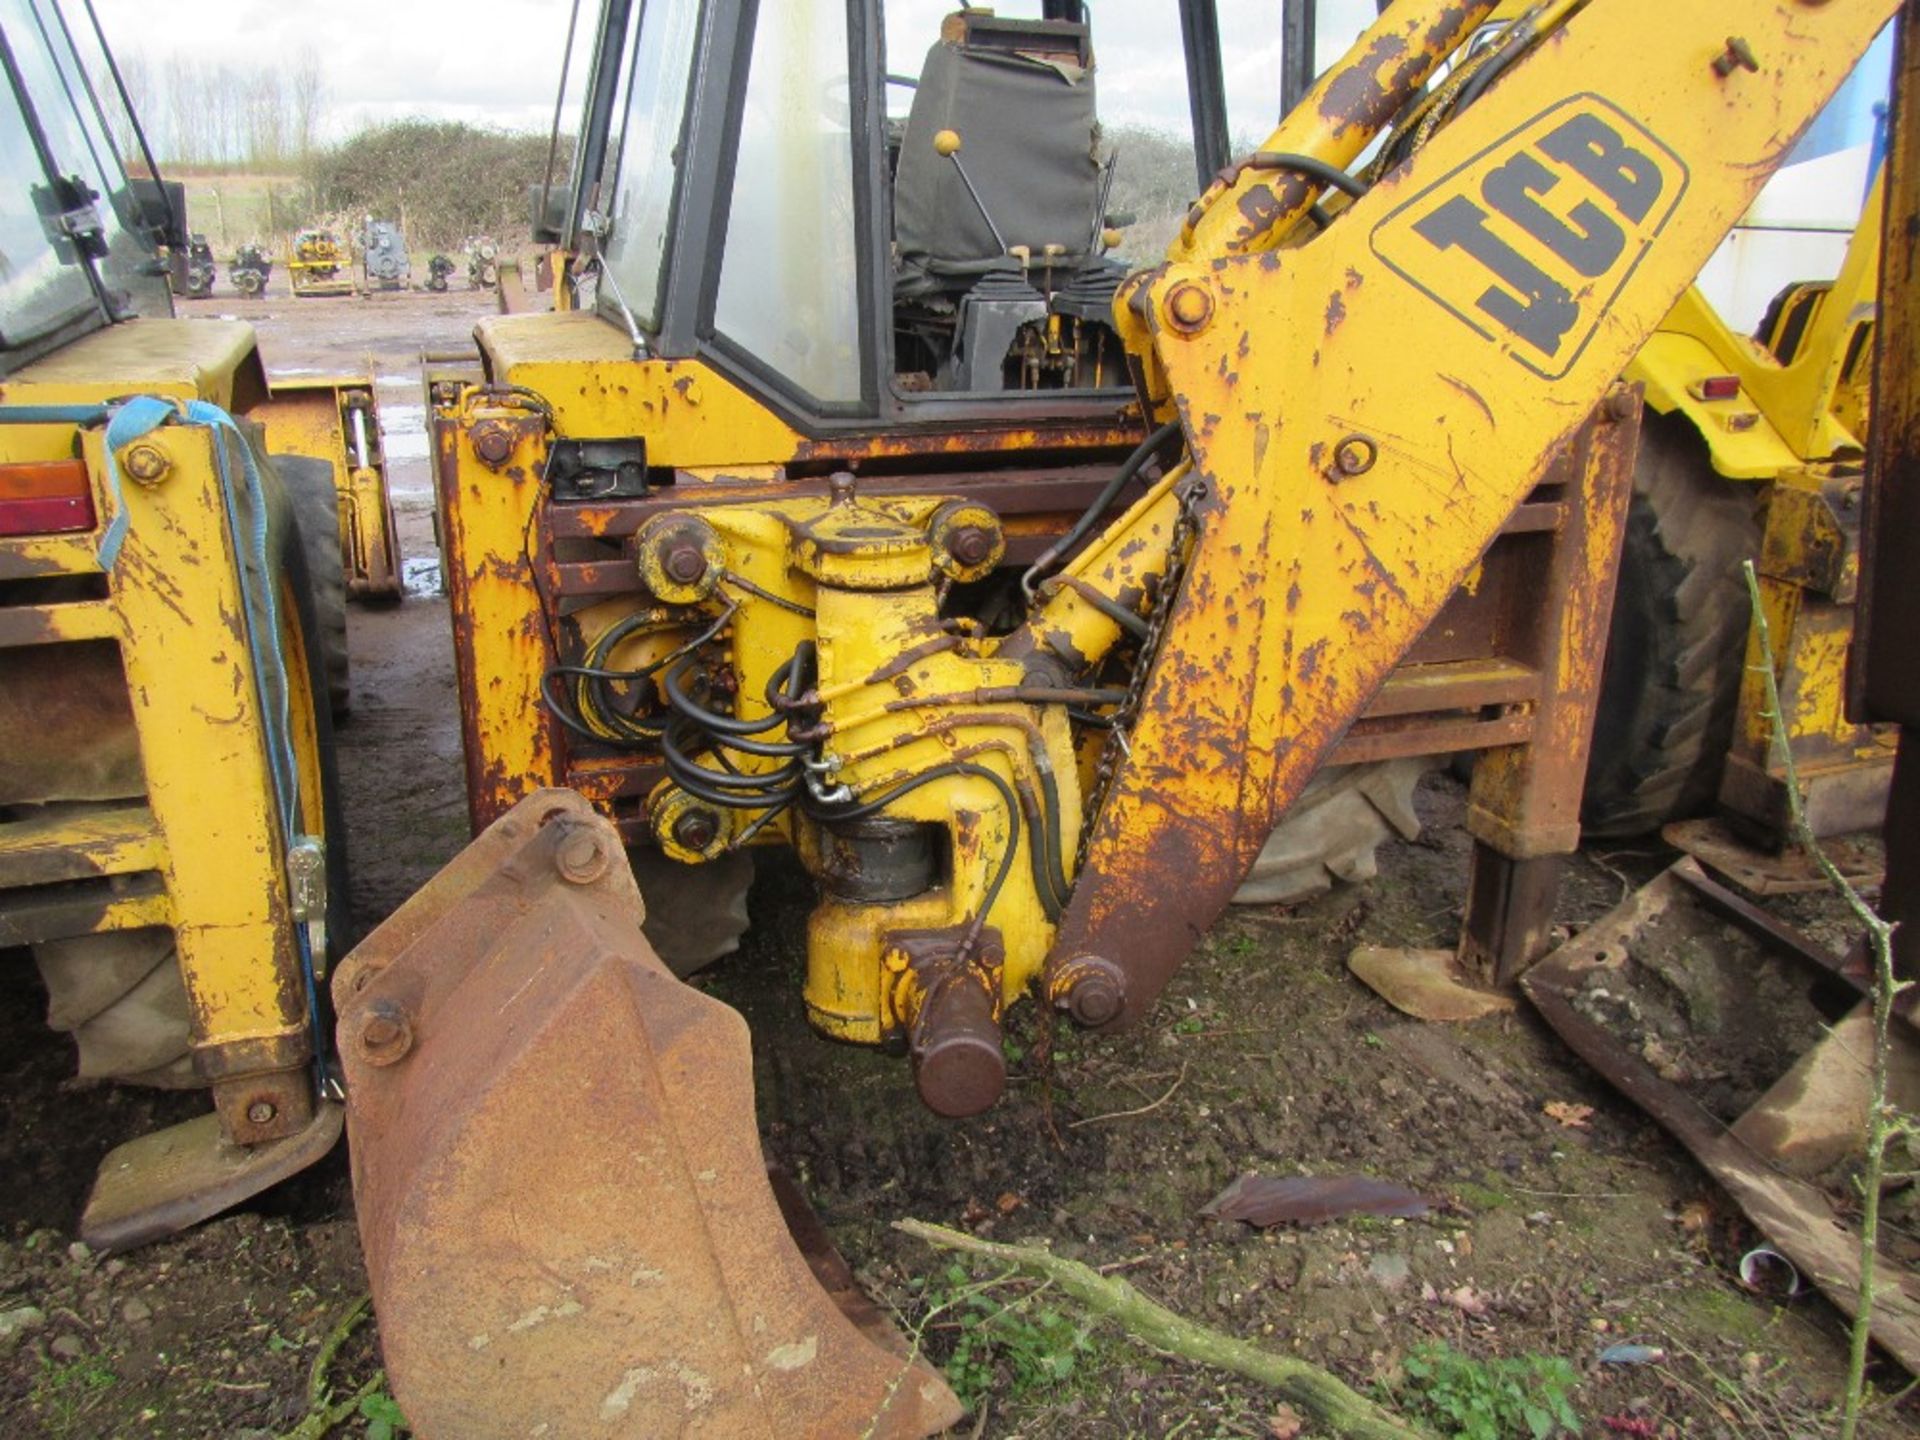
{"points": [[1546, 1238]]}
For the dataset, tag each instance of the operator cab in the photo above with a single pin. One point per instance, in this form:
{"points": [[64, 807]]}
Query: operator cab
{"points": [[1000, 225], [863, 212], [78, 238]]}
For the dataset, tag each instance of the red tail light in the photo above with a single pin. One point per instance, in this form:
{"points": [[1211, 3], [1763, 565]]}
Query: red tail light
{"points": [[45, 497], [1717, 387]]}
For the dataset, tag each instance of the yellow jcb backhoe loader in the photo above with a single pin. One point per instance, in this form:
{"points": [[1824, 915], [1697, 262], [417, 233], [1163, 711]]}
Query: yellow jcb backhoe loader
{"points": [[858, 501], [171, 610]]}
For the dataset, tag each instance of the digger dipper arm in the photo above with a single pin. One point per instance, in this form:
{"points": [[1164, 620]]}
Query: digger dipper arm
{"points": [[1364, 411]]}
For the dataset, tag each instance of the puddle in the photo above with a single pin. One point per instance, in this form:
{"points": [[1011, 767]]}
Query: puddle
{"points": [[421, 576], [405, 429]]}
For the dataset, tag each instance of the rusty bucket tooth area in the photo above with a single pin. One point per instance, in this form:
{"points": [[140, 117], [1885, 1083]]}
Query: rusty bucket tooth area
{"points": [[565, 1210]]}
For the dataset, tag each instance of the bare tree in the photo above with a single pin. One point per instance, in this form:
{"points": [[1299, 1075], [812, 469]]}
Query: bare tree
{"points": [[186, 111], [262, 117], [266, 119], [138, 80], [307, 96]]}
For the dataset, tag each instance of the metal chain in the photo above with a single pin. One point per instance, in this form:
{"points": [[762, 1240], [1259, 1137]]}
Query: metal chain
{"points": [[1186, 527]]}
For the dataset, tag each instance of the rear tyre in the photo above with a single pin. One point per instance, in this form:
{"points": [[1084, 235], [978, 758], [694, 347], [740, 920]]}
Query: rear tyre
{"points": [[1671, 684], [1334, 831], [308, 483]]}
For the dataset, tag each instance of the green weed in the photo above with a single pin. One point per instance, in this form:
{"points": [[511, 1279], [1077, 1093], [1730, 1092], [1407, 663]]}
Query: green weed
{"points": [[383, 1417], [1004, 1346], [1467, 1399]]}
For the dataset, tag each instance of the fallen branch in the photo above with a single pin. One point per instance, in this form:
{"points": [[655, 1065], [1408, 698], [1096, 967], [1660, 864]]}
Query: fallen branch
{"points": [[323, 1413], [1343, 1410], [1882, 1123]]}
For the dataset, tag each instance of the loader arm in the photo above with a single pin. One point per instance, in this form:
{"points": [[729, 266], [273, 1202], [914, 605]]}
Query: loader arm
{"points": [[1364, 411]]}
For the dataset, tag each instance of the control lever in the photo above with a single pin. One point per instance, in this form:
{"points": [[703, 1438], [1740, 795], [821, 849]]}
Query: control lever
{"points": [[947, 143]]}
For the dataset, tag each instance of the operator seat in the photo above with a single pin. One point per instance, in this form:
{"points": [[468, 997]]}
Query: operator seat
{"points": [[1020, 95]]}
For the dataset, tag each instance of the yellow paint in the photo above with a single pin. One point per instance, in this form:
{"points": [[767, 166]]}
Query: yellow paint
{"points": [[208, 827], [486, 527], [1310, 575], [87, 841], [1307, 585], [1809, 566], [197, 714], [314, 415]]}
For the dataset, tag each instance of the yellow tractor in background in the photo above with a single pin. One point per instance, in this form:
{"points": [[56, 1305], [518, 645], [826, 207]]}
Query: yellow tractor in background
{"points": [[858, 499], [1754, 450]]}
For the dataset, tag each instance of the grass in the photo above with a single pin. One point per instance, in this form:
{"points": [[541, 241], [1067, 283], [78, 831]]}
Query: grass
{"points": [[232, 209], [64, 1394]]}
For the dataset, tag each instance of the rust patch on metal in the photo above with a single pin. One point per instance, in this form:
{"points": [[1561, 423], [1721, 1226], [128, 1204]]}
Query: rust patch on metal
{"points": [[1368, 93], [69, 725], [1336, 311]]}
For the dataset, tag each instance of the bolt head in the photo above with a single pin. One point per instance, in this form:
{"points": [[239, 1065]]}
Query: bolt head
{"points": [[696, 830], [261, 1112], [970, 545], [684, 563], [581, 858], [1189, 307], [147, 464], [385, 1035], [492, 442], [1092, 990]]}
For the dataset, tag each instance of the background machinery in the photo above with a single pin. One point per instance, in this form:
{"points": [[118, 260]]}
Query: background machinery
{"points": [[1754, 449], [191, 269], [251, 269], [317, 264], [383, 255], [483, 262], [856, 501]]}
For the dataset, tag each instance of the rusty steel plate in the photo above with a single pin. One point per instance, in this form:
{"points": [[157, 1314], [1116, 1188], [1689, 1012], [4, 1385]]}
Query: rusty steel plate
{"points": [[562, 1198], [1788, 872], [1800, 1219], [159, 1184]]}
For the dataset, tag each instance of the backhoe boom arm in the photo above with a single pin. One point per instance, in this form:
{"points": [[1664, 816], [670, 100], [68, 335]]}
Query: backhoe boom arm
{"points": [[1364, 411]]}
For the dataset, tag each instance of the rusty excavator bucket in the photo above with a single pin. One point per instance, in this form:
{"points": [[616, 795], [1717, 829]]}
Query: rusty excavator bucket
{"points": [[567, 1218]]}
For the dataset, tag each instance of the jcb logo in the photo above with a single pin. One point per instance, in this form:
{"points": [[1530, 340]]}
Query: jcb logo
{"points": [[1530, 240]]}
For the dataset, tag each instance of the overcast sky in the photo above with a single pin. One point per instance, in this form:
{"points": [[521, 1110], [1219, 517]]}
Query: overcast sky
{"points": [[494, 62], [497, 62]]}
